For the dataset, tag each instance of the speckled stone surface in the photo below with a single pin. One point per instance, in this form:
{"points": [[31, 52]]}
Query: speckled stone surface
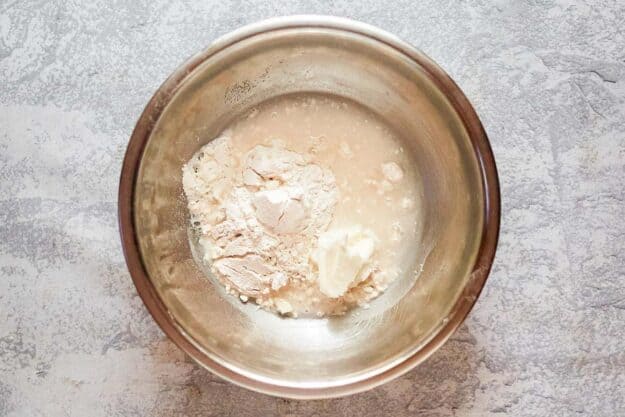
{"points": [[547, 336]]}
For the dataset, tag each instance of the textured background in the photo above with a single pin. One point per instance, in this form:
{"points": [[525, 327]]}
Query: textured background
{"points": [[545, 339]]}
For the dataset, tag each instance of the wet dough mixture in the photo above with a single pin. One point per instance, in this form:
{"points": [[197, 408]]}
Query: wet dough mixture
{"points": [[306, 206]]}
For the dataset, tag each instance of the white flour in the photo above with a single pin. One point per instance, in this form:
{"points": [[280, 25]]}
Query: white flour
{"points": [[259, 217]]}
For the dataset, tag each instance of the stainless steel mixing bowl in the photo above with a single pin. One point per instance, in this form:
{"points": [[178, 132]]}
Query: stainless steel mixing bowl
{"points": [[308, 358]]}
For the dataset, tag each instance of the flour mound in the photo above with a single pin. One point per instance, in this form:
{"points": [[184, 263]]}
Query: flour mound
{"points": [[258, 216]]}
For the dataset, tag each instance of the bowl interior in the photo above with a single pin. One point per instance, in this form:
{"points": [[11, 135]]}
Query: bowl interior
{"points": [[309, 352]]}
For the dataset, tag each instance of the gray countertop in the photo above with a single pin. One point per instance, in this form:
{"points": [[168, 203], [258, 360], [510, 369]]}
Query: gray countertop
{"points": [[547, 336]]}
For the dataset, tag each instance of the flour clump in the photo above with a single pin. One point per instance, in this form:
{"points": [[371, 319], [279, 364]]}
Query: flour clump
{"points": [[260, 216]]}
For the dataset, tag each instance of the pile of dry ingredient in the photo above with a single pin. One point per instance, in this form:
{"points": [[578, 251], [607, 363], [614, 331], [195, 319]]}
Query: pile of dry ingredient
{"points": [[264, 221]]}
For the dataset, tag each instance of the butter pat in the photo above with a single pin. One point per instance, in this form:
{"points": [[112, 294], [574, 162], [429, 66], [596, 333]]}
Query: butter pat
{"points": [[343, 259]]}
